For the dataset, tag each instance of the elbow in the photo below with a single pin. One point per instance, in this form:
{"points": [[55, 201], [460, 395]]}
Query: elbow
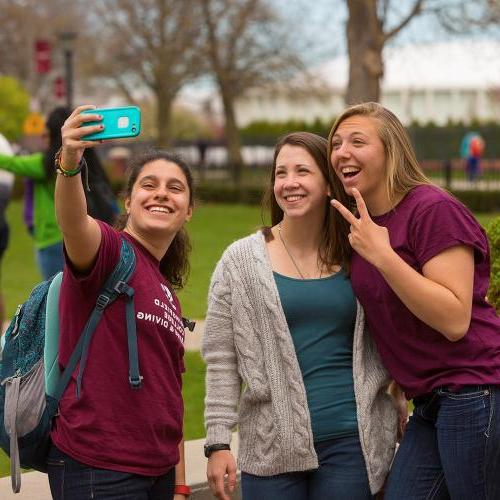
{"points": [[457, 330]]}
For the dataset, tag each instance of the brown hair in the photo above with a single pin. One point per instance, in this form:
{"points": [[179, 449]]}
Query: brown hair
{"points": [[334, 248], [174, 265], [402, 169]]}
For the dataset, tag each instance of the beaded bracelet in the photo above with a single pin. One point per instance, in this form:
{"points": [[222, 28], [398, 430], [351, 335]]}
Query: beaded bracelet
{"points": [[63, 171], [68, 173], [71, 173]]}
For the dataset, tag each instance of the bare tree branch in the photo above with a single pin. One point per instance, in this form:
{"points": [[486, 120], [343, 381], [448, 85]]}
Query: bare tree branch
{"points": [[415, 11]]}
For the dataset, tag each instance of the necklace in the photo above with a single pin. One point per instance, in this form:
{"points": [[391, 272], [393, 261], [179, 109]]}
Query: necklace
{"points": [[291, 256]]}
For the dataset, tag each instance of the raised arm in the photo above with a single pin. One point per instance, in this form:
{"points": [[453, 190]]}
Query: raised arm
{"points": [[28, 166], [81, 233]]}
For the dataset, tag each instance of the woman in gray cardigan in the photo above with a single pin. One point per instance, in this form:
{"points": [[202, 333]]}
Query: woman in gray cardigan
{"points": [[288, 358]]}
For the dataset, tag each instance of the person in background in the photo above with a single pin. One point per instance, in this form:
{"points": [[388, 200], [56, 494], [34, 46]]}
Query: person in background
{"points": [[118, 158], [471, 149], [420, 268], [111, 439], [39, 167], [289, 361], [6, 185]]}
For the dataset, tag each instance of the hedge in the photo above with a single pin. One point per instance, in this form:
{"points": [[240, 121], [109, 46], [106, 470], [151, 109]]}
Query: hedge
{"points": [[480, 201], [430, 141], [229, 194], [494, 237], [477, 201]]}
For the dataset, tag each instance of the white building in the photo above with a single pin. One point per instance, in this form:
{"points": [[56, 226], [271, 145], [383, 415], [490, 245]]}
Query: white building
{"points": [[457, 80]]}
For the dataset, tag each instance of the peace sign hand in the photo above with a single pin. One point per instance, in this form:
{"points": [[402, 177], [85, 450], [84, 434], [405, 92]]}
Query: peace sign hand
{"points": [[370, 240]]}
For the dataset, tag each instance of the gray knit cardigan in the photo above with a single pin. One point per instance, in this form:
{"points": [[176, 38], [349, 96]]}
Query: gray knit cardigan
{"points": [[254, 380]]}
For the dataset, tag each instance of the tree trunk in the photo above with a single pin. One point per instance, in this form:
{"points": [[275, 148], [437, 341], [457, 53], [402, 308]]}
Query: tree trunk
{"points": [[233, 141], [163, 115], [365, 41]]}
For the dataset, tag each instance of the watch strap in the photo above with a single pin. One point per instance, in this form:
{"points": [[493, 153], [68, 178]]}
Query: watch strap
{"points": [[210, 448]]}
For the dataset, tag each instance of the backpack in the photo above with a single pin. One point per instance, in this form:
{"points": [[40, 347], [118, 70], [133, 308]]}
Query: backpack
{"points": [[31, 382]]}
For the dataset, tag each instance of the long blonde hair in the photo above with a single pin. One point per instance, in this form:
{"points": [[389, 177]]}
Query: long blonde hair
{"points": [[402, 169]]}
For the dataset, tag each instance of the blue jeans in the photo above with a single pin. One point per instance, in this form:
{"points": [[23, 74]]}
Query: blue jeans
{"points": [[50, 260], [451, 448], [341, 475], [72, 480]]}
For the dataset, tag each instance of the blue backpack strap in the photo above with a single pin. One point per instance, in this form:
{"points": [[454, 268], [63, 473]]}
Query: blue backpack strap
{"points": [[115, 285], [51, 347], [134, 376]]}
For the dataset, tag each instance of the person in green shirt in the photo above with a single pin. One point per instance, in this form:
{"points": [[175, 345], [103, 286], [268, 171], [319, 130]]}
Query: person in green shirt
{"points": [[39, 167]]}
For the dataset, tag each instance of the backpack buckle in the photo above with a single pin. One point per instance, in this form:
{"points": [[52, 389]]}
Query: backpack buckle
{"points": [[135, 383], [123, 289], [102, 301]]}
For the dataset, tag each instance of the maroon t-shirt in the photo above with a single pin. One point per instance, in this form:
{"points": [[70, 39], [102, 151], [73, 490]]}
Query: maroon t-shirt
{"points": [[426, 222], [111, 425]]}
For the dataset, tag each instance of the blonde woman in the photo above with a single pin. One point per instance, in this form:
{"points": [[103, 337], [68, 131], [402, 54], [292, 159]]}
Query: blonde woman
{"points": [[420, 268]]}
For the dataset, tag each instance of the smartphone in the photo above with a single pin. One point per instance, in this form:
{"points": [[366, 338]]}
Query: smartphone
{"points": [[118, 123]]}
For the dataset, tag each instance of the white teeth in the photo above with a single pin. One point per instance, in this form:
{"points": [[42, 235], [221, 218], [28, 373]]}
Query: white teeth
{"points": [[294, 197], [164, 210], [350, 170]]}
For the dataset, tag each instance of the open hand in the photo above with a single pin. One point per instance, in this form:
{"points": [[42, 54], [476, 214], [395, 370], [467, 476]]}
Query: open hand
{"points": [[370, 240], [221, 468]]}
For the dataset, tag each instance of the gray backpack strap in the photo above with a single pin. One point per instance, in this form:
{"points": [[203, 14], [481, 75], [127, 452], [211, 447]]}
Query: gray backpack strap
{"points": [[10, 421]]}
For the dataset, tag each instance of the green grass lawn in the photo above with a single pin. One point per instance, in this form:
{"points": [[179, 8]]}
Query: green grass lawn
{"points": [[212, 229]]}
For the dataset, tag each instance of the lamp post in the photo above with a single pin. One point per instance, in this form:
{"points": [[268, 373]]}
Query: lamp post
{"points": [[67, 41]]}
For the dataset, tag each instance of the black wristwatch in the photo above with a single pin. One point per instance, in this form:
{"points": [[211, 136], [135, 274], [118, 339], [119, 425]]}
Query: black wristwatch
{"points": [[210, 448]]}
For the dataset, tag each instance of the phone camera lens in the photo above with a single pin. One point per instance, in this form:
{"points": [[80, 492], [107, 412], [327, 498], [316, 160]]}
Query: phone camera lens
{"points": [[134, 128]]}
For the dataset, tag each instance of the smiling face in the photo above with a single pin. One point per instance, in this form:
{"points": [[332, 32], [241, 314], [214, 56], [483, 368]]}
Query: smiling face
{"points": [[299, 186], [359, 160], [159, 203]]}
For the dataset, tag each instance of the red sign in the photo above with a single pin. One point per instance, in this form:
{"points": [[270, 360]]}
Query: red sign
{"points": [[42, 56], [59, 87]]}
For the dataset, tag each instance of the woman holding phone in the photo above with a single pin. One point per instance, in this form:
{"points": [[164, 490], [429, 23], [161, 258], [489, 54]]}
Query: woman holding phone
{"points": [[111, 441], [420, 268]]}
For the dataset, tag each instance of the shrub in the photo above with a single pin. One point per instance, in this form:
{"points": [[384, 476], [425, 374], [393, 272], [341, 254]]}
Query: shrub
{"points": [[229, 194], [479, 201], [494, 237]]}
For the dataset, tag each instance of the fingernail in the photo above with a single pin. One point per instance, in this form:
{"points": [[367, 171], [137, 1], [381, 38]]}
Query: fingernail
{"points": [[333, 201]]}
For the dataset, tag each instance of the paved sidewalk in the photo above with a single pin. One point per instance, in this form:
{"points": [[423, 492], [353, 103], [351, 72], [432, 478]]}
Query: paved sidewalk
{"points": [[35, 485]]}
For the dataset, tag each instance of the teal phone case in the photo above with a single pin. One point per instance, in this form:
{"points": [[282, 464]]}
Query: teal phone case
{"points": [[118, 123]]}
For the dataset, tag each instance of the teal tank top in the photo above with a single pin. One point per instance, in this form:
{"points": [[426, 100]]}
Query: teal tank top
{"points": [[321, 314]]}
